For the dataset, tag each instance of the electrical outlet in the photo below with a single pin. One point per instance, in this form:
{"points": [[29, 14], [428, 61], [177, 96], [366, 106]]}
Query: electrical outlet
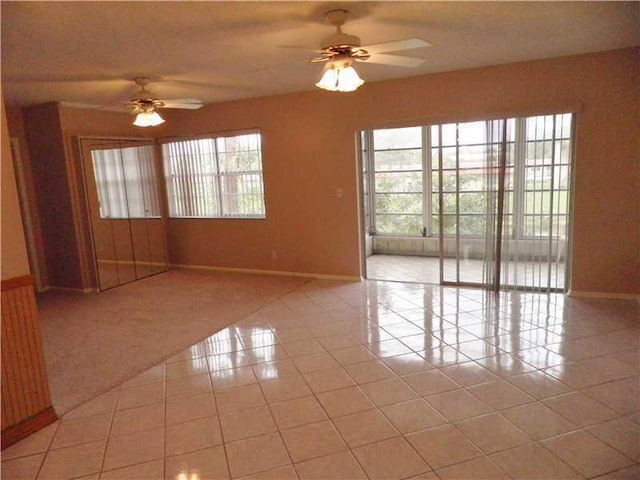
{"points": [[274, 254]]}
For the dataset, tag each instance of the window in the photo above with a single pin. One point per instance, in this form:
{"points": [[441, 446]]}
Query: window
{"points": [[215, 177], [545, 175], [403, 166], [397, 162], [464, 178]]}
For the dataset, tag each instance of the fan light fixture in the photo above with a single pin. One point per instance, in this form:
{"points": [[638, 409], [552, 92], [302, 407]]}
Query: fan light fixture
{"points": [[148, 119], [145, 104], [340, 50], [340, 76]]}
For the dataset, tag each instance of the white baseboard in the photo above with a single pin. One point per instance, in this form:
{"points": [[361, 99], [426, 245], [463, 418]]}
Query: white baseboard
{"points": [[321, 276], [609, 295]]}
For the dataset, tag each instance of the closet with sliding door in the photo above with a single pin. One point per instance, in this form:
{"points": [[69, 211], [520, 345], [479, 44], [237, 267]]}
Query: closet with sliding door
{"points": [[97, 186], [124, 209]]}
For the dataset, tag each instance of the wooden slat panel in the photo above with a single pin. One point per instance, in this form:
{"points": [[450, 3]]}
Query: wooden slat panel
{"points": [[24, 355], [25, 388], [10, 386], [37, 349], [30, 352]]}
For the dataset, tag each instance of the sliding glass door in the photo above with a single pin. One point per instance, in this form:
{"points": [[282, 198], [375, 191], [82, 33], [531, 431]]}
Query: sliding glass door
{"points": [[488, 201], [502, 190], [464, 188]]}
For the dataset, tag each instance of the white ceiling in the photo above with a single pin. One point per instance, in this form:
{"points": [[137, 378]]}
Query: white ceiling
{"points": [[87, 52]]}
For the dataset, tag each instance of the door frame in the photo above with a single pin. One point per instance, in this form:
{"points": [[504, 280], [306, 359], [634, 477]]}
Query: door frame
{"points": [[25, 213]]}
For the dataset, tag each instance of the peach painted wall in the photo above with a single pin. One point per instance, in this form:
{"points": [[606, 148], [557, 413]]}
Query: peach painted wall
{"points": [[14, 262], [47, 133], [50, 178], [79, 123], [87, 122], [309, 152]]}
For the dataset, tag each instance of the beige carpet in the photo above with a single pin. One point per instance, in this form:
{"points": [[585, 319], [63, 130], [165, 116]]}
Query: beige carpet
{"points": [[95, 342]]}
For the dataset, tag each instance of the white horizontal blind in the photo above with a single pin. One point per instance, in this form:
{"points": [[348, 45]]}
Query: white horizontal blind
{"points": [[215, 177]]}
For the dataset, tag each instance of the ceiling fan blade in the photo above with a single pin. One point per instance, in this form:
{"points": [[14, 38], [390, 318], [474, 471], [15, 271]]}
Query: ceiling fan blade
{"points": [[300, 47], [93, 106], [187, 103], [396, 60], [114, 108], [396, 46], [319, 59]]}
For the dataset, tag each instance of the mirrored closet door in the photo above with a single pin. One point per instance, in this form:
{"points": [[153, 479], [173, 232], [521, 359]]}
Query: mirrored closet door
{"points": [[123, 196]]}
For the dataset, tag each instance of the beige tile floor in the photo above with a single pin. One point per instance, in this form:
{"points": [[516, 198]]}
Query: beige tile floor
{"points": [[412, 268], [371, 380], [403, 268]]}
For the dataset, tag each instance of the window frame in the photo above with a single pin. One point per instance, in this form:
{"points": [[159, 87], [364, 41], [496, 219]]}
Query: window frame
{"points": [[519, 190], [218, 175], [371, 151]]}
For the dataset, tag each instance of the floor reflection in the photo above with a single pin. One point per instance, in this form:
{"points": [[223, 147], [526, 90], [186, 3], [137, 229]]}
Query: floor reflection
{"points": [[336, 379]]}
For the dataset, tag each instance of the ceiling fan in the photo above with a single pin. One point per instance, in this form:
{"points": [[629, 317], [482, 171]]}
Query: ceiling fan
{"points": [[340, 50], [145, 104]]}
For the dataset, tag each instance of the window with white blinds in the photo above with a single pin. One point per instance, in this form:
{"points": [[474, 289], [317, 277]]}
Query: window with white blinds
{"points": [[215, 177]]}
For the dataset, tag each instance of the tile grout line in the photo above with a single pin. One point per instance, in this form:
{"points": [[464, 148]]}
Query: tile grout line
{"points": [[533, 441], [376, 408], [267, 403], [328, 418], [46, 451], [396, 374], [586, 429], [116, 411], [506, 379], [108, 439], [164, 423], [314, 395], [278, 430], [219, 415], [419, 396]]}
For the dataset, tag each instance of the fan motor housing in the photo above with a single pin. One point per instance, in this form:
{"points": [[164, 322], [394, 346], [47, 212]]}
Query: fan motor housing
{"points": [[144, 95], [341, 40]]}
